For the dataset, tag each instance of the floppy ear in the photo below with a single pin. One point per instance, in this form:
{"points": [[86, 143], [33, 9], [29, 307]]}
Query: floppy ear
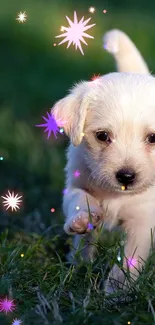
{"points": [[70, 112]]}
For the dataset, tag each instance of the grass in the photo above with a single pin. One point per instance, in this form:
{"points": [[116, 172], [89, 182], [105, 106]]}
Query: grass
{"points": [[48, 290]]}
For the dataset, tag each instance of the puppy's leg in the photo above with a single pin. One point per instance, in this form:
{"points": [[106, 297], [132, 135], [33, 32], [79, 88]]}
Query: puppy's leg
{"points": [[137, 250], [84, 248], [75, 202], [78, 222], [127, 56], [76, 210]]}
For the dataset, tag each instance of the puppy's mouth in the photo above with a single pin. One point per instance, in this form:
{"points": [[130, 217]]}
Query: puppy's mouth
{"points": [[135, 188], [131, 189], [128, 188], [125, 188]]}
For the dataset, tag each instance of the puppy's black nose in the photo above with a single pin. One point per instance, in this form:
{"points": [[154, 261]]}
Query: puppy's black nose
{"points": [[125, 176]]}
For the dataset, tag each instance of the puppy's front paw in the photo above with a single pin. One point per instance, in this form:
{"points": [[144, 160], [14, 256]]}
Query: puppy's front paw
{"points": [[80, 224]]}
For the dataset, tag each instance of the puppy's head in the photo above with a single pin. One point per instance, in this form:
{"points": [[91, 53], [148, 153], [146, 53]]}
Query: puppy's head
{"points": [[116, 113]]}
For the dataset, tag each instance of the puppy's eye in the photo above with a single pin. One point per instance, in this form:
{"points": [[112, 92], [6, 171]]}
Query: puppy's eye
{"points": [[102, 136], [151, 138]]}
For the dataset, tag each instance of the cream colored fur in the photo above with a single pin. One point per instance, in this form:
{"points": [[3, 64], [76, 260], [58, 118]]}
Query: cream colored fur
{"points": [[127, 56], [123, 104]]}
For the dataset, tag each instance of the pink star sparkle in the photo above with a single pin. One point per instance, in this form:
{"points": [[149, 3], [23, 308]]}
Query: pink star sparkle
{"points": [[75, 32], [6, 305], [95, 78], [51, 125], [76, 173], [131, 262]]}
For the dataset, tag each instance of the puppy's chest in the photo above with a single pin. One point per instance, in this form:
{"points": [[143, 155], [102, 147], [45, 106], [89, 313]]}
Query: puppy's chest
{"points": [[109, 202], [118, 209], [112, 208]]}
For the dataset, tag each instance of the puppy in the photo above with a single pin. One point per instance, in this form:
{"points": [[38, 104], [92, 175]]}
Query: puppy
{"points": [[111, 125]]}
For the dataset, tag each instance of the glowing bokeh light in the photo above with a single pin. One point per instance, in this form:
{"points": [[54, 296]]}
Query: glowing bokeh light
{"points": [[65, 191], [90, 226], [62, 29], [131, 262], [76, 173], [92, 9]]}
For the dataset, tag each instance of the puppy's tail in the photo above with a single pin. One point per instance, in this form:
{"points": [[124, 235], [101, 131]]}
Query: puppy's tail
{"points": [[126, 55]]}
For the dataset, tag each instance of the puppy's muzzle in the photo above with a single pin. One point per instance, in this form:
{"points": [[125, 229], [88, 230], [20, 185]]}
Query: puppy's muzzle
{"points": [[126, 176]]}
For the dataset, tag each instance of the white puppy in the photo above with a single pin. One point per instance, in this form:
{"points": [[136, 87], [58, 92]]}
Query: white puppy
{"points": [[111, 124]]}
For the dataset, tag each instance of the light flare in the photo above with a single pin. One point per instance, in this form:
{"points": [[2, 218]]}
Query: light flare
{"points": [[12, 201], [16, 322], [22, 16], [7, 305], [75, 33], [52, 125]]}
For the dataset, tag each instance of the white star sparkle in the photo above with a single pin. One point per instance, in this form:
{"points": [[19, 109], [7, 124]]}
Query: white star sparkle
{"points": [[75, 32], [22, 17], [17, 322], [92, 10], [11, 201]]}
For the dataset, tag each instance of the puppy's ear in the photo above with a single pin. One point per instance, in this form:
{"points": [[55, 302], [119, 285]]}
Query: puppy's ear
{"points": [[71, 112]]}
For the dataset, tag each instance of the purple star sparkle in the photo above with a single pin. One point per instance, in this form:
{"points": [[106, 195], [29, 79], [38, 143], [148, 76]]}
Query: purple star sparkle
{"points": [[90, 226], [131, 262], [76, 173], [7, 305], [51, 125], [65, 191], [17, 322]]}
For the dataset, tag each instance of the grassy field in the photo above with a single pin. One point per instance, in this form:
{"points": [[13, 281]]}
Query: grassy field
{"points": [[47, 290], [33, 75]]}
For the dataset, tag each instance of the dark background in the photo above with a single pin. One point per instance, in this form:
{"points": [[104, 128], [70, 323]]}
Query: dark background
{"points": [[33, 75]]}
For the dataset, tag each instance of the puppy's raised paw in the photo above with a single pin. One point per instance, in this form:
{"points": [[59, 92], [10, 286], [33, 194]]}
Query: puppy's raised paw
{"points": [[81, 224]]}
